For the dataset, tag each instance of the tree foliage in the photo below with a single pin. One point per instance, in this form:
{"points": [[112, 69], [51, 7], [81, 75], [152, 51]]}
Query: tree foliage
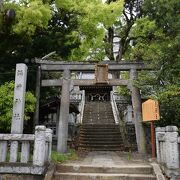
{"points": [[156, 41], [6, 105], [121, 29], [94, 19], [78, 25], [80, 29]]}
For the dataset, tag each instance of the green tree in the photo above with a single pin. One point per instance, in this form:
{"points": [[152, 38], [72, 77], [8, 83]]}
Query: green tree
{"points": [[156, 41], [6, 104], [120, 30], [37, 29], [94, 19]]}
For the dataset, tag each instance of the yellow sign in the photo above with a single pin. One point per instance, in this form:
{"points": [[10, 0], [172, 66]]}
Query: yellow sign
{"points": [[150, 110]]}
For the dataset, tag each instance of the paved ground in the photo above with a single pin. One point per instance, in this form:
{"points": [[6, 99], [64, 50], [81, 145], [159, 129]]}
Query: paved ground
{"points": [[108, 158]]}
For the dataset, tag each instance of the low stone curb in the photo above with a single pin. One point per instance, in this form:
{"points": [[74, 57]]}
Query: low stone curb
{"points": [[157, 170]]}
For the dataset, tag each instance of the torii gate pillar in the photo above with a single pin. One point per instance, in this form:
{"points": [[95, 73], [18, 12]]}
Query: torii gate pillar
{"points": [[64, 113], [137, 108]]}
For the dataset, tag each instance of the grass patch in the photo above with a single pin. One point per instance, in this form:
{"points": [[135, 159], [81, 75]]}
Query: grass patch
{"points": [[57, 157], [129, 156]]}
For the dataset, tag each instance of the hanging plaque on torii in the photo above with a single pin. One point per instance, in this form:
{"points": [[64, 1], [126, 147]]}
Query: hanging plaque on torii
{"points": [[101, 73]]}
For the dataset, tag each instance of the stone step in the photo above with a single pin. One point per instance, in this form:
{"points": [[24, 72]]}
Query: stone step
{"points": [[100, 136], [98, 143], [95, 109], [99, 129], [101, 149], [99, 146], [102, 176], [100, 139], [95, 117], [94, 112], [125, 169], [99, 126], [101, 132], [105, 111], [97, 121], [93, 137]]}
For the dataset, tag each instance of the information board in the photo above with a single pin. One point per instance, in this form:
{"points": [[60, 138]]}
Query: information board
{"points": [[150, 110]]}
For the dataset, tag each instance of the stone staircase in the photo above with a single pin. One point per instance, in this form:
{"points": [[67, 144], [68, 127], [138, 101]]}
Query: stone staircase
{"points": [[85, 172], [104, 166], [101, 136], [99, 131]]}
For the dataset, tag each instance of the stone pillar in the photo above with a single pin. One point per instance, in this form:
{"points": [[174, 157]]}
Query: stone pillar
{"points": [[64, 113], [18, 107], [49, 133], [39, 146], [19, 99], [172, 147], [137, 109], [38, 87], [3, 151], [25, 151], [13, 151], [160, 134], [57, 119]]}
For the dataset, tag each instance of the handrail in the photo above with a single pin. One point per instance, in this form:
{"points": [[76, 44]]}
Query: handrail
{"points": [[114, 108], [17, 137], [81, 105]]}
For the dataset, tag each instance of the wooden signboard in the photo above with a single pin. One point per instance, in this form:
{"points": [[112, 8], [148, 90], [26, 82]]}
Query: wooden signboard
{"points": [[101, 73], [150, 110]]}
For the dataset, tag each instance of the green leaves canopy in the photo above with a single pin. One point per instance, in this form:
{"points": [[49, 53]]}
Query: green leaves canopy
{"points": [[94, 18], [29, 18]]}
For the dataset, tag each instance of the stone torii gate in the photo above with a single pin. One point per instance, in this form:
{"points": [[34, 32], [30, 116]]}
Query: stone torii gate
{"points": [[66, 81]]}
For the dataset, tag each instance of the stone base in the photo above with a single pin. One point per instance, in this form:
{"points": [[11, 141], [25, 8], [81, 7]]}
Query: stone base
{"points": [[20, 168], [173, 174], [20, 177]]}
